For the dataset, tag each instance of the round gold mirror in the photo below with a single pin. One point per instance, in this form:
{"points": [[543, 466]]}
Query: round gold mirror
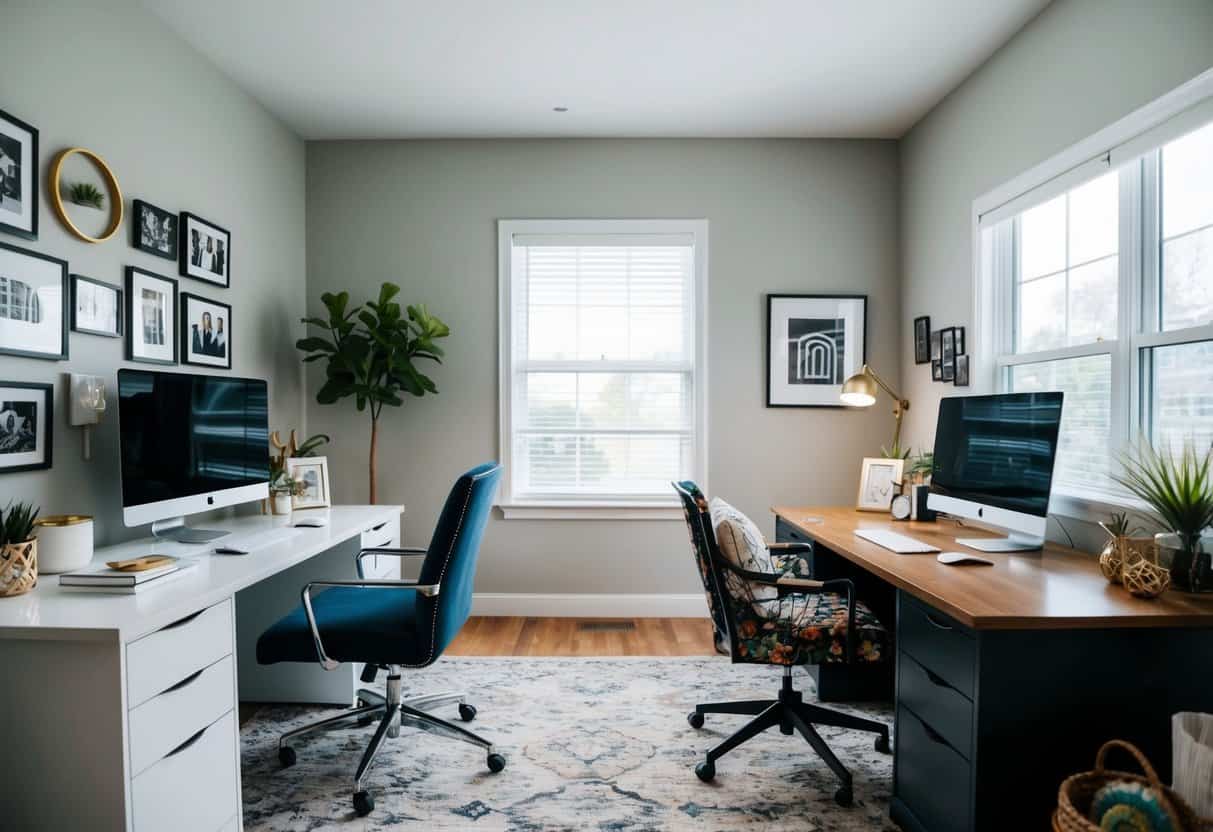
{"points": [[115, 194]]}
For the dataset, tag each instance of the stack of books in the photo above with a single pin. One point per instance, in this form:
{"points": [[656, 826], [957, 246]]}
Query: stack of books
{"points": [[104, 579]]}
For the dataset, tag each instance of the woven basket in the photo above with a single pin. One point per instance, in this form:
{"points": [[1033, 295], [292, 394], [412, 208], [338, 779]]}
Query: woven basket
{"points": [[18, 568], [1076, 793]]}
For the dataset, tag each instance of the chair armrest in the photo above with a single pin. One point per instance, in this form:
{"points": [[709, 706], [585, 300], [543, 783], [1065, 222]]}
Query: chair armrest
{"points": [[391, 551], [428, 590], [790, 547], [799, 583]]}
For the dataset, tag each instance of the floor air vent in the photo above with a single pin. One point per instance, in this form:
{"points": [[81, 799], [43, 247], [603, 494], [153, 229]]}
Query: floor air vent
{"points": [[605, 626]]}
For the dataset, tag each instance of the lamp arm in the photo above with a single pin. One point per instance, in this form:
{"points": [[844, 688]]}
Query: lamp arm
{"points": [[902, 404]]}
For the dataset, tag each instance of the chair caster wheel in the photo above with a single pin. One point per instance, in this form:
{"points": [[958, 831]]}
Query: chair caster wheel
{"points": [[363, 804], [843, 797], [706, 771], [286, 756], [467, 712], [696, 719], [882, 744], [496, 762]]}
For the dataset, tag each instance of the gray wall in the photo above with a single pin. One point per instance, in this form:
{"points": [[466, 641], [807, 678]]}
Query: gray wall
{"points": [[791, 216], [180, 135], [1079, 66]]}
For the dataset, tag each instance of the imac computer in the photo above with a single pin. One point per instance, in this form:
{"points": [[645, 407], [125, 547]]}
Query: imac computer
{"points": [[994, 463], [190, 443]]}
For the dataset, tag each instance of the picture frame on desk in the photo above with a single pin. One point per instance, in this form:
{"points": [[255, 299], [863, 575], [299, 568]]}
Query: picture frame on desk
{"points": [[879, 481], [313, 473]]}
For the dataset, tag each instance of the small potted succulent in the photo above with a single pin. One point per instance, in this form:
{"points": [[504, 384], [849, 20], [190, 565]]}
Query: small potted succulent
{"points": [[86, 194], [1179, 489], [18, 549]]}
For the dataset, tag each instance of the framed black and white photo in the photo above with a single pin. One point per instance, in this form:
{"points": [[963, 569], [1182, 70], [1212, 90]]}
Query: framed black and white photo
{"points": [[936, 338], [961, 374], [936, 370], [206, 332], [96, 307], [18, 177], [151, 317], [814, 343], [154, 230], [947, 353], [922, 340], [205, 250], [33, 304], [25, 426], [959, 339], [311, 473]]}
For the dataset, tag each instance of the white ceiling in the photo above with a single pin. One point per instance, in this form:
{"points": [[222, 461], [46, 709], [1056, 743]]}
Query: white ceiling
{"points": [[496, 68]]}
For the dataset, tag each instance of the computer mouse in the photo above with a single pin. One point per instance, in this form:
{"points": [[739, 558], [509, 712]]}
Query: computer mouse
{"points": [[311, 522], [962, 559]]}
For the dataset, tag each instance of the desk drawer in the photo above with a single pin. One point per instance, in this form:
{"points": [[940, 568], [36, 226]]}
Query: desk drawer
{"points": [[942, 706], [382, 533], [785, 532], [932, 779], [939, 643], [158, 661], [194, 787], [164, 722]]}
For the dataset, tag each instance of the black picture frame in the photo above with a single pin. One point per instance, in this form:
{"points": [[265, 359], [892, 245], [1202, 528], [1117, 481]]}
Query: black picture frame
{"points": [[142, 208], [771, 300], [936, 370], [35, 165], [133, 272], [64, 292], [187, 346], [119, 311], [959, 339], [947, 353], [185, 255], [922, 339], [960, 376], [935, 345], [48, 425]]}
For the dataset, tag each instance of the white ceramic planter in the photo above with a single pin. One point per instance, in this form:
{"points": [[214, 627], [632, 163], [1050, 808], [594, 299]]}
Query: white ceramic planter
{"points": [[65, 542], [280, 504]]}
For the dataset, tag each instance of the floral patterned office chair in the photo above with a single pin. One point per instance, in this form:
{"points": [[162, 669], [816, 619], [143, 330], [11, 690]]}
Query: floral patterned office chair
{"points": [[768, 612]]}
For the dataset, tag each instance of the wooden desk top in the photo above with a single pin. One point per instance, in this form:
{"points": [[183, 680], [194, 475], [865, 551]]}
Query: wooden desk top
{"points": [[1058, 588]]}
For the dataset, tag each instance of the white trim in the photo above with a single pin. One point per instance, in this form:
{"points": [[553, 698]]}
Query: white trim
{"points": [[526, 604], [589, 511], [582, 231]]}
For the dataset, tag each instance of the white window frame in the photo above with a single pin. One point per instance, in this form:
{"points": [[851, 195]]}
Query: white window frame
{"points": [[1137, 135], [600, 508]]}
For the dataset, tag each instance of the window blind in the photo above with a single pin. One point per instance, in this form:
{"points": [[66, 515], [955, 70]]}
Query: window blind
{"points": [[602, 372]]}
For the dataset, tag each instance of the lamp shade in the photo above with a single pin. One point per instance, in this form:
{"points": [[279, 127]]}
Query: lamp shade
{"points": [[859, 390]]}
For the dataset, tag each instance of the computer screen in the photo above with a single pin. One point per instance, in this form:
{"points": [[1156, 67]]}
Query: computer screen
{"points": [[184, 435], [998, 450]]}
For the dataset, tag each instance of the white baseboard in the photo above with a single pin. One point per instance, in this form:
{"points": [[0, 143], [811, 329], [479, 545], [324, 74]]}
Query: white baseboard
{"points": [[692, 605]]}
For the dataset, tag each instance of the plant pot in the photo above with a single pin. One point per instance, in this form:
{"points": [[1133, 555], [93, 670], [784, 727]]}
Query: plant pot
{"points": [[1191, 568], [280, 503], [18, 568], [65, 543]]}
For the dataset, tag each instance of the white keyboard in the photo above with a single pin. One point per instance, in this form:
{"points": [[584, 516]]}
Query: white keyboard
{"points": [[243, 544], [898, 543]]}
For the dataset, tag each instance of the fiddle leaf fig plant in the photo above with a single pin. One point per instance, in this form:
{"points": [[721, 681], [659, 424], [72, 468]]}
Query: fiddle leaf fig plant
{"points": [[371, 352]]}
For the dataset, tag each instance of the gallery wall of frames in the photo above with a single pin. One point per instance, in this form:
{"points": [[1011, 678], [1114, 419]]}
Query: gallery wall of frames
{"points": [[162, 319]]}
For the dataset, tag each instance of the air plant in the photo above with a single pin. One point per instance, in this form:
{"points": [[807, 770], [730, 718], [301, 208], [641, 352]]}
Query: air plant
{"points": [[1119, 525], [86, 194], [17, 523]]}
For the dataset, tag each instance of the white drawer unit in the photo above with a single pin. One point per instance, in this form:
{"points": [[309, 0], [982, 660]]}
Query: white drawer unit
{"points": [[382, 533], [158, 661], [194, 787], [165, 721]]}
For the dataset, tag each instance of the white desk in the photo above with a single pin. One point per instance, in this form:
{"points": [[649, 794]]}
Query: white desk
{"points": [[120, 710]]}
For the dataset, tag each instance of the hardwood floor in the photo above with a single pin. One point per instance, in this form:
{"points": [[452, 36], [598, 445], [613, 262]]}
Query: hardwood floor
{"points": [[508, 636]]}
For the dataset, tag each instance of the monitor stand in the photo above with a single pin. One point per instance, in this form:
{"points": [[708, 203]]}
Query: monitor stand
{"points": [[1012, 543], [174, 528]]}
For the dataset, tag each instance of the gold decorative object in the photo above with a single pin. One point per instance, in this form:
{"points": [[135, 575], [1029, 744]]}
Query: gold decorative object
{"points": [[1146, 579], [18, 568], [860, 391], [115, 197], [1120, 552]]}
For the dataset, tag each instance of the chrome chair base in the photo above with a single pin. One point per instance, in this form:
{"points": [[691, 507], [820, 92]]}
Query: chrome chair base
{"points": [[392, 712]]}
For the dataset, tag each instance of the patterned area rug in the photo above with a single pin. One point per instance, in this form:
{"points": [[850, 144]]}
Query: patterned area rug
{"points": [[598, 744]]}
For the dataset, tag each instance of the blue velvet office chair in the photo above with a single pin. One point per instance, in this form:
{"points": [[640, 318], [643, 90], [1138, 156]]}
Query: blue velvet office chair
{"points": [[394, 624]]}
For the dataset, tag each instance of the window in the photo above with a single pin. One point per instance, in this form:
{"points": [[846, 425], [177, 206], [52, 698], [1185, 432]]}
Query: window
{"points": [[1099, 283], [602, 383]]}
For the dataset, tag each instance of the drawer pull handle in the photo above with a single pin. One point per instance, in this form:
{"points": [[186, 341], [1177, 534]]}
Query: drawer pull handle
{"points": [[180, 621], [380, 526], [935, 679], [939, 625], [933, 735], [186, 681], [187, 743]]}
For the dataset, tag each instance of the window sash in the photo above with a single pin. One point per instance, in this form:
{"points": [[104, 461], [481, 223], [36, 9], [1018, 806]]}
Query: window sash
{"points": [[514, 237]]}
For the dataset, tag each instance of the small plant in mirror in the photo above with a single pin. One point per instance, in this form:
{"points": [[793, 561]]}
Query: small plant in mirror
{"points": [[86, 194]]}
